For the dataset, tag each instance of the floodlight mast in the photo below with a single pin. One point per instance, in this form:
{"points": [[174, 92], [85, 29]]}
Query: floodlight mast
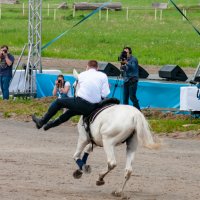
{"points": [[34, 46]]}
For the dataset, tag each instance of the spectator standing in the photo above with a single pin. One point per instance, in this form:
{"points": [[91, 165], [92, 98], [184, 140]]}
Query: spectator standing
{"points": [[6, 63], [129, 65]]}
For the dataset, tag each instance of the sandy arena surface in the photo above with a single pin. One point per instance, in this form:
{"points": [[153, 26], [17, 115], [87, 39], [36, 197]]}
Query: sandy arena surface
{"points": [[38, 165]]}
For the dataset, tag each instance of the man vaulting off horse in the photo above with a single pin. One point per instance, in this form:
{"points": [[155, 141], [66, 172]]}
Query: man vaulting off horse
{"points": [[115, 125], [93, 86]]}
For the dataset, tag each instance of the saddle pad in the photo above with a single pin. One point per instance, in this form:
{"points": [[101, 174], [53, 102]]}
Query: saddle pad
{"points": [[89, 119], [95, 113]]}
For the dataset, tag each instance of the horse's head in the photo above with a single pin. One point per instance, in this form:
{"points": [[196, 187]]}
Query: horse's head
{"points": [[75, 74], [76, 84]]}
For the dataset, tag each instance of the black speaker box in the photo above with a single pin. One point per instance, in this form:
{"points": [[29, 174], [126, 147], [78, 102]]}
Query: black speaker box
{"points": [[109, 69], [143, 73], [172, 72]]}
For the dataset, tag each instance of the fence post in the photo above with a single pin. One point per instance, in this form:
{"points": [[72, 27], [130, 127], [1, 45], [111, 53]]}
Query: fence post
{"points": [[0, 10], [23, 9], [54, 14], [107, 14], [127, 14], [74, 11], [48, 10], [99, 14], [161, 14], [184, 12], [155, 15]]}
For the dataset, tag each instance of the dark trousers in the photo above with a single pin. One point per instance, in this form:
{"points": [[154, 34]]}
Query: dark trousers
{"points": [[75, 106], [130, 89]]}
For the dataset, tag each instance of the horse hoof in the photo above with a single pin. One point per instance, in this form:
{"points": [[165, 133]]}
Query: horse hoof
{"points": [[100, 182], [77, 174], [119, 194], [87, 169]]}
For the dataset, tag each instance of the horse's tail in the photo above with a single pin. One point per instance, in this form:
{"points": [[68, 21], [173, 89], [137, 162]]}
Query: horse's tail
{"points": [[144, 134]]}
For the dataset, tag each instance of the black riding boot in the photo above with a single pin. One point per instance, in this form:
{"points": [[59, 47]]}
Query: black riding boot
{"points": [[52, 124], [39, 122], [63, 118], [53, 108]]}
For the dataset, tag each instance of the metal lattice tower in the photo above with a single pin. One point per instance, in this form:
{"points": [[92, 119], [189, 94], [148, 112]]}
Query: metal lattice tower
{"points": [[34, 46]]}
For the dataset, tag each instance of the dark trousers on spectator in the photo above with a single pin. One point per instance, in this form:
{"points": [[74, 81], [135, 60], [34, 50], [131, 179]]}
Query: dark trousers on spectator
{"points": [[4, 85], [130, 89]]}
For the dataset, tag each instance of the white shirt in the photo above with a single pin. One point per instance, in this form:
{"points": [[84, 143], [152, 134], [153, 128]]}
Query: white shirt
{"points": [[93, 85], [69, 93]]}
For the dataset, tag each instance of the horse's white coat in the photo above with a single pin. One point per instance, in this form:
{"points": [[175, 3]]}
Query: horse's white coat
{"points": [[113, 126]]}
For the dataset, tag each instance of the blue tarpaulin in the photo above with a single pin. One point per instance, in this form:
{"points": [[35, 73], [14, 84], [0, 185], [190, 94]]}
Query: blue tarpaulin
{"points": [[151, 94]]}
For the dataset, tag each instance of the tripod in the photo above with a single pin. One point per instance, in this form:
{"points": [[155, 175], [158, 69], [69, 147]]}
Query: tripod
{"points": [[118, 83]]}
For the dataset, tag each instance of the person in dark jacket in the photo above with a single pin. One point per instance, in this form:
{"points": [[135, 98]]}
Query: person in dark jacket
{"points": [[130, 68], [6, 63]]}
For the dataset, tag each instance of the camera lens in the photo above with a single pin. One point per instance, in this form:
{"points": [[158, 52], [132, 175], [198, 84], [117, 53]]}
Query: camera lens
{"points": [[5, 51]]}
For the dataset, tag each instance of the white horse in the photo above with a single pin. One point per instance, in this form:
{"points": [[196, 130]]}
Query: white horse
{"points": [[115, 125]]}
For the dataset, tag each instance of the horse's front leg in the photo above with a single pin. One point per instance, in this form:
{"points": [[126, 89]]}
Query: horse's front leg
{"points": [[109, 150], [82, 143], [86, 168]]}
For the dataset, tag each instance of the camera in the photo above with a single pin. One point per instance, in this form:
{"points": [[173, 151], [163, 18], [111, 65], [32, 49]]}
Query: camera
{"points": [[5, 50], [59, 81], [1, 55], [123, 56]]}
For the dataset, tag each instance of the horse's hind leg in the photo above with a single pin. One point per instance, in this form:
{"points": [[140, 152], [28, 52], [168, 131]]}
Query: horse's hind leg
{"points": [[131, 143], [109, 150]]}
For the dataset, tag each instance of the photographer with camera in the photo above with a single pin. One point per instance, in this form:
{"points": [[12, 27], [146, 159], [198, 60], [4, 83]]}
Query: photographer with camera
{"points": [[62, 87], [130, 73], [6, 63]]}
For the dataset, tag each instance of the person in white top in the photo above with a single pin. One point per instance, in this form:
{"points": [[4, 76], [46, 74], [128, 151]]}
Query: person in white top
{"points": [[93, 87], [62, 88]]}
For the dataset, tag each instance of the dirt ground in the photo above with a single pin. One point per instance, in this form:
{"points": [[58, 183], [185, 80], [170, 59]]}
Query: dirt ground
{"points": [[38, 165]]}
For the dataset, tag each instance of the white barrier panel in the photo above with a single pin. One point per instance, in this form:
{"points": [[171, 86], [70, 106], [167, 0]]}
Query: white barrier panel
{"points": [[188, 99], [17, 84]]}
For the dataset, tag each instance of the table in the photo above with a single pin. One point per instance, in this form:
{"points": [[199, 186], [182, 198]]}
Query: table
{"points": [[188, 99]]}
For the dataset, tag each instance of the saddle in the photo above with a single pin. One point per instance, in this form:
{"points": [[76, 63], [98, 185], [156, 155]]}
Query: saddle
{"points": [[102, 105]]}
